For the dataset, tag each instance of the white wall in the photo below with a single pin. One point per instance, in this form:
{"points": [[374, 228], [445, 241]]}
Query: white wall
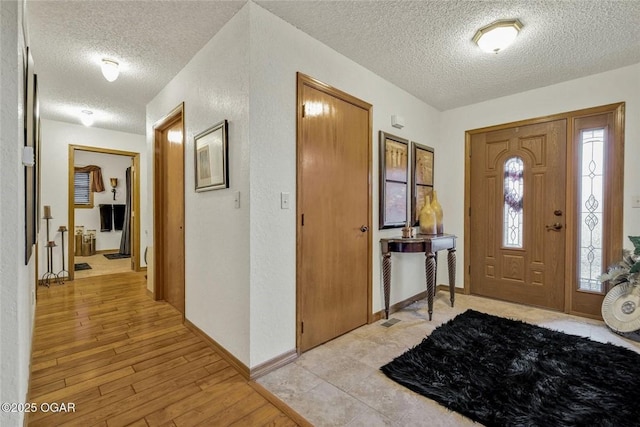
{"points": [[112, 166], [17, 280], [214, 86], [56, 138], [606, 88], [278, 51]]}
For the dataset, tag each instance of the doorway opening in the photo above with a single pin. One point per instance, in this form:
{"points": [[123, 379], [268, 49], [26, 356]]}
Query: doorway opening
{"points": [[104, 220]]}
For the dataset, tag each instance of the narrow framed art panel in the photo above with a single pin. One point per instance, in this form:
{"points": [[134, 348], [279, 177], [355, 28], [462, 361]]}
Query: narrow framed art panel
{"points": [[31, 119], [394, 164], [211, 149], [422, 173]]}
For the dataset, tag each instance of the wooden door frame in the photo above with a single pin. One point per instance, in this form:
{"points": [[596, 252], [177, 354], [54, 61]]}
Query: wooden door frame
{"points": [[158, 198], [303, 80], [135, 208], [614, 225]]}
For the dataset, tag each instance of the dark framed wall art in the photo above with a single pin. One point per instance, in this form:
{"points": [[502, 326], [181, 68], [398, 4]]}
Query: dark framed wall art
{"points": [[212, 158], [422, 174], [394, 164]]}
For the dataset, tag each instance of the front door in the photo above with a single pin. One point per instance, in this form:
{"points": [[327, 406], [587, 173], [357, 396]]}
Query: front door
{"points": [[517, 218], [334, 242]]}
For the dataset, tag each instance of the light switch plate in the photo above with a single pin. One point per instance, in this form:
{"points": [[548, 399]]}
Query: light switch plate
{"points": [[284, 200]]}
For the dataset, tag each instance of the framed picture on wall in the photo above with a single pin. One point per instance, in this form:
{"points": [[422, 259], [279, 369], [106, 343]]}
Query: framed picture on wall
{"points": [[422, 172], [394, 164], [212, 158]]}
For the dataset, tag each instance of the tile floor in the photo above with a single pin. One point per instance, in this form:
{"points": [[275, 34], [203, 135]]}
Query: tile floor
{"points": [[339, 383]]}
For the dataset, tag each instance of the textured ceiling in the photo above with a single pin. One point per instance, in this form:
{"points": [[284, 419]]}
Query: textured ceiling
{"points": [[423, 47], [152, 41]]}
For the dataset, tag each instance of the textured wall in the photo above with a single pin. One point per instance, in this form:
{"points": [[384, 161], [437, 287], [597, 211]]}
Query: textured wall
{"points": [[56, 138], [17, 281], [215, 86], [278, 51], [614, 86]]}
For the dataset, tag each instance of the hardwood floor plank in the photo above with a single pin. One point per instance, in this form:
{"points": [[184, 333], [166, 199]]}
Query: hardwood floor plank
{"points": [[139, 423], [86, 402], [202, 398], [259, 417], [226, 397], [63, 393], [177, 371], [124, 359], [217, 377], [281, 421], [153, 405], [235, 412], [139, 376]]}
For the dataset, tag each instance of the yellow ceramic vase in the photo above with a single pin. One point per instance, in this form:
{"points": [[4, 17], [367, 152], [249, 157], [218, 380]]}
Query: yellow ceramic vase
{"points": [[437, 208], [428, 218]]}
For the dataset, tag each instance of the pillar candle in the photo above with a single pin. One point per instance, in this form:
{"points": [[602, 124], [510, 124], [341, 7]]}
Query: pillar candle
{"points": [[47, 211]]}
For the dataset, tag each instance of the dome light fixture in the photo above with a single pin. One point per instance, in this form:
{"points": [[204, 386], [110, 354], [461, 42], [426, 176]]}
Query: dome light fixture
{"points": [[110, 69], [86, 117], [497, 35]]}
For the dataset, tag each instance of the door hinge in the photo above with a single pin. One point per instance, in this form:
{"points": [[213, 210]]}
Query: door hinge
{"points": [[469, 211], [302, 219], [302, 327], [304, 109], [469, 269]]}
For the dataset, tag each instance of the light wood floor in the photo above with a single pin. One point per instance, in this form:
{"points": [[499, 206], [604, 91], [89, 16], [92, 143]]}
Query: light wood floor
{"points": [[123, 359], [101, 265]]}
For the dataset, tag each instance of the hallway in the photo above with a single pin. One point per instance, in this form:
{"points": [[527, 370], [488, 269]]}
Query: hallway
{"points": [[124, 359]]}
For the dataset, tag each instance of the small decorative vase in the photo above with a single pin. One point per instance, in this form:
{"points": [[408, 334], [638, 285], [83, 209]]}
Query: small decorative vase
{"points": [[428, 218], [407, 231], [437, 208]]}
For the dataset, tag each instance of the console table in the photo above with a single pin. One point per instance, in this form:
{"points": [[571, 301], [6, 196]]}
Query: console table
{"points": [[430, 245]]}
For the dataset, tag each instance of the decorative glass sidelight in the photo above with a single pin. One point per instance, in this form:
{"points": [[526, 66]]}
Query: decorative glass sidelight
{"points": [[591, 209], [513, 192]]}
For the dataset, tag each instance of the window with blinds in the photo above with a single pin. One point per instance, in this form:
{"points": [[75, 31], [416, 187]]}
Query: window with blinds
{"points": [[82, 195]]}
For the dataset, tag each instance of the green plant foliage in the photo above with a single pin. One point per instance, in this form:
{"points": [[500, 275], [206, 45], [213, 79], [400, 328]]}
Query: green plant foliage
{"points": [[627, 269], [636, 244]]}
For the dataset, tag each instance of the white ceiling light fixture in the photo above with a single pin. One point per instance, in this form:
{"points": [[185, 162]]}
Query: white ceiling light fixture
{"points": [[110, 69], [497, 35], [86, 117]]}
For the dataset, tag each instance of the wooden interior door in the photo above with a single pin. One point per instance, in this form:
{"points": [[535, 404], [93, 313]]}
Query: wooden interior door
{"points": [[334, 213], [169, 211], [517, 242]]}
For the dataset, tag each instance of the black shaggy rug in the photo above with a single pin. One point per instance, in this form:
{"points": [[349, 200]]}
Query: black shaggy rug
{"points": [[81, 266], [502, 372], [117, 256]]}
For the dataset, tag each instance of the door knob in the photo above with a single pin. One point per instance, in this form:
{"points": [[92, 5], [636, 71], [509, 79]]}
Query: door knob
{"points": [[364, 228], [554, 227]]}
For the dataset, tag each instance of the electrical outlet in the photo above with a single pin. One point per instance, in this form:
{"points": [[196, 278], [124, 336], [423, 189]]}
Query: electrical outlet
{"points": [[635, 201]]}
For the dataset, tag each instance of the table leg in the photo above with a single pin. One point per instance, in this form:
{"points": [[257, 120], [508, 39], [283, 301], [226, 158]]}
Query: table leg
{"points": [[386, 274], [430, 270], [435, 274], [451, 258]]}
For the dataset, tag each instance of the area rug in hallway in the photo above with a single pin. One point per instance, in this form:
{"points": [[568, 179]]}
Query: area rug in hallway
{"points": [[117, 256], [81, 266], [502, 372]]}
